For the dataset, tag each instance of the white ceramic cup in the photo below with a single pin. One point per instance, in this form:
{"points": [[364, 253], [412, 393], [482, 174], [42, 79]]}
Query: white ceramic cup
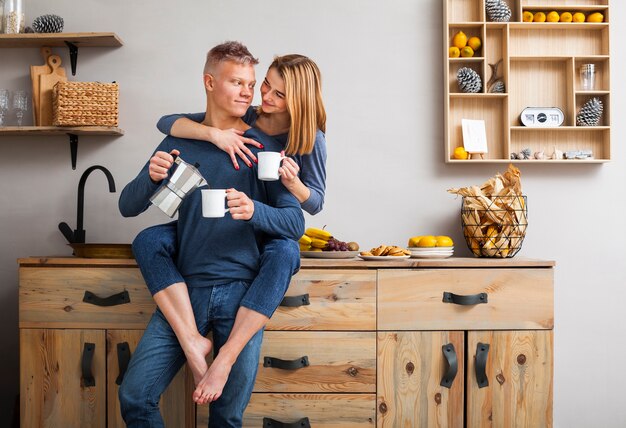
{"points": [[269, 163], [213, 203]]}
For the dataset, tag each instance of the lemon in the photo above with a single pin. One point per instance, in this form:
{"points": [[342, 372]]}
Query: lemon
{"points": [[454, 52], [527, 16], [467, 52], [414, 240], [427, 241], [578, 17], [553, 16], [459, 40], [595, 17], [539, 17], [474, 43], [444, 241], [460, 153], [566, 17]]}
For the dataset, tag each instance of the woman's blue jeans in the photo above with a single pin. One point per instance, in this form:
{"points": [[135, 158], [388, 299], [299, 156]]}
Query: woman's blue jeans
{"points": [[159, 357], [155, 251]]}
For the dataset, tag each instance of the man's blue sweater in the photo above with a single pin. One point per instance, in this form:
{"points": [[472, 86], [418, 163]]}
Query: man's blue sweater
{"points": [[219, 250]]}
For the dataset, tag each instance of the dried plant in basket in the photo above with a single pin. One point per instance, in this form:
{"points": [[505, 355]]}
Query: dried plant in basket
{"points": [[494, 215]]}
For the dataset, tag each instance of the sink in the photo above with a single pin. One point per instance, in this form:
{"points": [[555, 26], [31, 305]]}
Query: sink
{"points": [[103, 251]]}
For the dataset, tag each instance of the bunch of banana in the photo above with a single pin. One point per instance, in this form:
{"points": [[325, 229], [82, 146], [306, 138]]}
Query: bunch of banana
{"points": [[314, 239]]}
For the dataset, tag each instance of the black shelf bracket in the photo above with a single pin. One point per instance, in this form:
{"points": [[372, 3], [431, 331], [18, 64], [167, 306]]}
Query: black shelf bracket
{"points": [[73, 55], [73, 148]]}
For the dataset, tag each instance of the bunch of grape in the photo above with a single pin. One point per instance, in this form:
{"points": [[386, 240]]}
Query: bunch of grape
{"points": [[336, 245]]}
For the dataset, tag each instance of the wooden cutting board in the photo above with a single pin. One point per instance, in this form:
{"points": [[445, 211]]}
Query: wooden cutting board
{"points": [[35, 72], [46, 83]]}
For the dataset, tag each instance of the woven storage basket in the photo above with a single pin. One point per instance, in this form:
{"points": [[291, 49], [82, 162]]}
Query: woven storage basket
{"points": [[85, 104]]}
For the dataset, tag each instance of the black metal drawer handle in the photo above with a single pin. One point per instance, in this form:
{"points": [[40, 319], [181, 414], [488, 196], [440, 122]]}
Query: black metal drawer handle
{"points": [[482, 351], [273, 423], [277, 363], [295, 301], [457, 299], [85, 364], [123, 358], [453, 365], [113, 300]]}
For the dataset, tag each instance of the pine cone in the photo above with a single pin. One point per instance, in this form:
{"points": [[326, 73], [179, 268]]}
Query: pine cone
{"points": [[497, 87], [469, 81], [590, 113], [48, 24], [498, 10]]}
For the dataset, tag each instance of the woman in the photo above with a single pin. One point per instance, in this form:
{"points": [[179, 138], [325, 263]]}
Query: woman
{"points": [[293, 113]]}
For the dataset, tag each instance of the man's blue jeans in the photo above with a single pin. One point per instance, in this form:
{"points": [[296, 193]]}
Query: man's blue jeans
{"points": [[158, 358]]}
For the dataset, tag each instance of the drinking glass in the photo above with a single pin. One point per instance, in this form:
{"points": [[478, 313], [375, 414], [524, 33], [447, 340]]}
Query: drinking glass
{"points": [[4, 104], [20, 105]]}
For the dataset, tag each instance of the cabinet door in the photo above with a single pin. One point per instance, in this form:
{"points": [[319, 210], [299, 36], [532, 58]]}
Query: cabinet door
{"points": [[411, 366], [62, 378], [176, 404], [518, 372]]}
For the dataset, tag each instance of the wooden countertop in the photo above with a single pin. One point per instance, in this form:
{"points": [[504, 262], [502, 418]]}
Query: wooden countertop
{"points": [[356, 263]]}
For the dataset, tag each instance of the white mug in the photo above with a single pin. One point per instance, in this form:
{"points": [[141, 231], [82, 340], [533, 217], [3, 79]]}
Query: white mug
{"points": [[269, 163], [213, 203]]}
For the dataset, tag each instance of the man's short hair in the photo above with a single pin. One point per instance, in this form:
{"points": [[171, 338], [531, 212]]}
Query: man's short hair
{"points": [[228, 51]]}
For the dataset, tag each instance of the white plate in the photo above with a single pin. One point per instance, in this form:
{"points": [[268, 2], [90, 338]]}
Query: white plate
{"points": [[431, 256], [429, 249], [329, 254], [386, 258]]}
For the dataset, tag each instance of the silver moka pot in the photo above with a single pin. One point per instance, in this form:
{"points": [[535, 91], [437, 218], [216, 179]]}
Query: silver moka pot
{"points": [[185, 179]]}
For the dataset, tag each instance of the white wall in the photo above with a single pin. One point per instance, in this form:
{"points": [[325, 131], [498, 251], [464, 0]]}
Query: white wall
{"points": [[382, 67]]}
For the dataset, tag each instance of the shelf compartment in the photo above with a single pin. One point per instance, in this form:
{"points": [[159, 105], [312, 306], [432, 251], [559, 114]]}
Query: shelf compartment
{"points": [[566, 3], [464, 11], [606, 108], [568, 39], [541, 83], [602, 82], [596, 139], [455, 66], [491, 110], [496, 48]]}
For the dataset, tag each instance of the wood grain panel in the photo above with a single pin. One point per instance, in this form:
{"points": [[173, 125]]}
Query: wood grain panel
{"points": [[53, 297], [410, 368], [51, 389], [519, 370], [323, 410], [338, 362], [340, 300], [517, 299], [176, 403]]}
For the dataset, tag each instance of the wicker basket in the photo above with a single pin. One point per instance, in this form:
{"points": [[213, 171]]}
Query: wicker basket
{"points": [[85, 104], [499, 229]]}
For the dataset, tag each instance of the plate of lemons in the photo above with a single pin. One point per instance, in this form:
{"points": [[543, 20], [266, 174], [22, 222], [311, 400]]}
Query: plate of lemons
{"points": [[431, 246]]}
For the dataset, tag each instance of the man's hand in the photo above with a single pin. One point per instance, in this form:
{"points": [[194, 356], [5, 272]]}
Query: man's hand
{"points": [[160, 163], [234, 143], [241, 206]]}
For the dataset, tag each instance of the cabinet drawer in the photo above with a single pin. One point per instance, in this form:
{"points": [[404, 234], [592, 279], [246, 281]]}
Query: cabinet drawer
{"points": [[516, 299], [53, 297], [322, 410], [338, 300], [337, 362]]}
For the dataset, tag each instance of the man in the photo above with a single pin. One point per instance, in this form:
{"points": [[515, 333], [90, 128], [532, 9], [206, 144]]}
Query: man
{"points": [[218, 258]]}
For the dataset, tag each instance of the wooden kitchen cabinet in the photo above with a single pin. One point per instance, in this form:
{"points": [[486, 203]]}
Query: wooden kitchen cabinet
{"points": [[357, 344]]}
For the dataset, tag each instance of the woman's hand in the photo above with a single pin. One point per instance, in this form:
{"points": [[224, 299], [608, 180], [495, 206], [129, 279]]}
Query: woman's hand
{"points": [[289, 172], [240, 205], [234, 143], [160, 163]]}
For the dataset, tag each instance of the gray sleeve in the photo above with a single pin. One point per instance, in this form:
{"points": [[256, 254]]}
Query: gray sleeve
{"points": [[166, 122], [313, 175]]}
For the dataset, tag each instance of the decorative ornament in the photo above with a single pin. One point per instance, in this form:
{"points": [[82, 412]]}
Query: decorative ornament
{"points": [[539, 155], [469, 80], [495, 83], [524, 154], [498, 10], [590, 113], [29, 30], [514, 156], [48, 24], [557, 154]]}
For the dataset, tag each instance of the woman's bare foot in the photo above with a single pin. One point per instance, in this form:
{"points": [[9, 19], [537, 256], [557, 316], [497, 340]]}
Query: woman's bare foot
{"points": [[211, 386], [196, 351]]}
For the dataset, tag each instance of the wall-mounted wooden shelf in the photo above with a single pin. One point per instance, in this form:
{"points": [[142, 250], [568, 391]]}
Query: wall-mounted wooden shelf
{"points": [[540, 68]]}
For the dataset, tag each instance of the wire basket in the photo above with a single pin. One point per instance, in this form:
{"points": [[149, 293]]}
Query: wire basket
{"points": [[495, 226]]}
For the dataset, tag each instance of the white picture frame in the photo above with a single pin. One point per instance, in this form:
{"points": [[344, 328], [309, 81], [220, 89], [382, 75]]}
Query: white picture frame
{"points": [[474, 136]]}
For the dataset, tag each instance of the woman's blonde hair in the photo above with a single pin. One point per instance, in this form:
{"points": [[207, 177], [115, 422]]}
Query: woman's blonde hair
{"points": [[303, 94]]}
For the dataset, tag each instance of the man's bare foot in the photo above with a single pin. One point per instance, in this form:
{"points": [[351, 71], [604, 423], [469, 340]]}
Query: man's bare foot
{"points": [[211, 386], [195, 352]]}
